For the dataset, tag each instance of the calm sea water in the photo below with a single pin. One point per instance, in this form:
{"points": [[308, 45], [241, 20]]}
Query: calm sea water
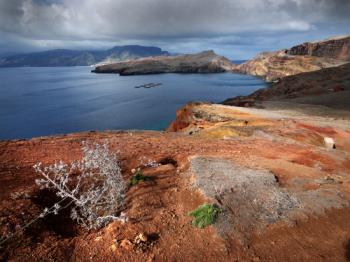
{"points": [[45, 101]]}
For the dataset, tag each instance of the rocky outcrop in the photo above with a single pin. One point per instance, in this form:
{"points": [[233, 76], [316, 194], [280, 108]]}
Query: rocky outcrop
{"points": [[204, 62], [331, 84], [312, 73], [299, 59], [336, 48]]}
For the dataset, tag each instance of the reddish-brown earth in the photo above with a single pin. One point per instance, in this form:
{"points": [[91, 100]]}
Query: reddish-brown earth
{"points": [[223, 139]]}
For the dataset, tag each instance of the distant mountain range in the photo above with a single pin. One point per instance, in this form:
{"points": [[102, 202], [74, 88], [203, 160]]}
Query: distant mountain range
{"points": [[64, 57]]}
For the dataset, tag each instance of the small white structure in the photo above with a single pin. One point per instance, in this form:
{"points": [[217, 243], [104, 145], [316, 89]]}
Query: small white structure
{"points": [[329, 143]]}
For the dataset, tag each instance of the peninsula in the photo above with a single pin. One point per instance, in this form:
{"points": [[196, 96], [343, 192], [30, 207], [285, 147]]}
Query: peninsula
{"points": [[204, 62]]}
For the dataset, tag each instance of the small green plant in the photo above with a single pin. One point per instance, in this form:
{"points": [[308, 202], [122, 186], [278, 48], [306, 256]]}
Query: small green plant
{"points": [[204, 215], [138, 177]]}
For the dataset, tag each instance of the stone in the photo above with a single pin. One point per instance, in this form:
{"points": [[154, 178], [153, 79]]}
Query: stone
{"points": [[140, 238], [113, 247], [332, 180], [329, 143]]}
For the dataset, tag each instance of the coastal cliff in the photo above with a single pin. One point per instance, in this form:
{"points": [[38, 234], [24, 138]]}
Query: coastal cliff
{"points": [[329, 86], [311, 73], [204, 62], [298, 59], [336, 48]]}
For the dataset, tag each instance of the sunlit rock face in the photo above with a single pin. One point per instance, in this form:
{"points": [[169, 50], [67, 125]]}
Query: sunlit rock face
{"points": [[337, 48], [299, 59]]}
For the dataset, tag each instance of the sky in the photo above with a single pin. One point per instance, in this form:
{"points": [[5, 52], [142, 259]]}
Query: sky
{"points": [[237, 29]]}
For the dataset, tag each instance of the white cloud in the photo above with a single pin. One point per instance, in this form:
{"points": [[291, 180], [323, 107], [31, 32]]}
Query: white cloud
{"points": [[83, 22]]}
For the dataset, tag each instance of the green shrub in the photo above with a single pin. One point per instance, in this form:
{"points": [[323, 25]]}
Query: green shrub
{"points": [[138, 177], [204, 215]]}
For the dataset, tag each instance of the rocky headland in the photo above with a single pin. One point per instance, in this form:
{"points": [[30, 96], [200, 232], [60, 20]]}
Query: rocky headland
{"points": [[308, 75], [280, 173], [328, 87], [204, 62], [299, 59]]}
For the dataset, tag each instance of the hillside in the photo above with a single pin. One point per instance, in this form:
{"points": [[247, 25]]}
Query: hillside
{"points": [[329, 86], [204, 62], [280, 189], [63, 57], [298, 59]]}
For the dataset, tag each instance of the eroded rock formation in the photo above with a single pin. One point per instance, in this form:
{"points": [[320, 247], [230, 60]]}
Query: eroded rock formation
{"points": [[336, 48], [299, 59], [204, 62]]}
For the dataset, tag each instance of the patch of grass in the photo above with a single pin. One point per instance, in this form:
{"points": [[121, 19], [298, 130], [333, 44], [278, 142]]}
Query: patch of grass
{"points": [[204, 215], [138, 177]]}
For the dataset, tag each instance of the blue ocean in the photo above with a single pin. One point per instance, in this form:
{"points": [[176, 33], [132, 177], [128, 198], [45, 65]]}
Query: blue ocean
{"points": [[58, 100]]}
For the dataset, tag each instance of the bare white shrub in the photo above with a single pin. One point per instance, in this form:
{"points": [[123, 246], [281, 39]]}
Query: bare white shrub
{"points": [[94, 185]]}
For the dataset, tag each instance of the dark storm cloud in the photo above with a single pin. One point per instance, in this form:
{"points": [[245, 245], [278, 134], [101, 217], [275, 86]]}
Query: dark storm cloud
{"points": [[198, 23]]}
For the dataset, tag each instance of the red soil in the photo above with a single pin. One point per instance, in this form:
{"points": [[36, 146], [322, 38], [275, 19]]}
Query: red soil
{"points": [[158, 208]]}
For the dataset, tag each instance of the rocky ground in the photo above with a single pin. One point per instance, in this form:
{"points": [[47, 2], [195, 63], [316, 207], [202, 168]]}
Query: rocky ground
{"points": [[284, 192], [204, 62]]}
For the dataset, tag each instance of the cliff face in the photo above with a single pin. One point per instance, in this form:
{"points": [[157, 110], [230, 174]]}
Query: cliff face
{"points": [[204, 62], [299, 59], [336, 48]]}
